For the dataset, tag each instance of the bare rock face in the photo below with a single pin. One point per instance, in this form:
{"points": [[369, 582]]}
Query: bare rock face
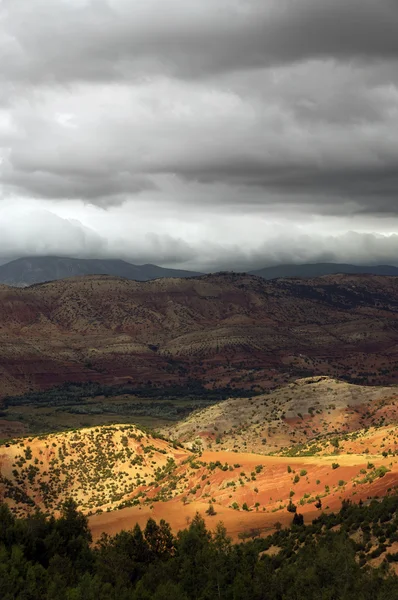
{"points": [[225, 329]]}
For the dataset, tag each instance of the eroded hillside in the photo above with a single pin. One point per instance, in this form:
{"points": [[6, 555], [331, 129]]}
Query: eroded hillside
{"points": [[223, 329]]}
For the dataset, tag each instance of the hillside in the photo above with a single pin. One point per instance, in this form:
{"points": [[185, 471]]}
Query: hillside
{"points": [[305, 271], [38, 269], [226, 329], [121, 475], [99, 468], [307, 409]]}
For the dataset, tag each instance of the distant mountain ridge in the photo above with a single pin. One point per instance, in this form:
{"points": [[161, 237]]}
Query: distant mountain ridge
{"points": [[23, 272], [309, 271]]}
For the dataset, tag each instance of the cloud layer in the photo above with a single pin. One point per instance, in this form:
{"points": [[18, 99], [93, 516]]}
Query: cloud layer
{"points": [[153, 131]]}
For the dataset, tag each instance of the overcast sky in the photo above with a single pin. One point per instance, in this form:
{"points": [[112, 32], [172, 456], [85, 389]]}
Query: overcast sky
{"points": [[200, 133]]}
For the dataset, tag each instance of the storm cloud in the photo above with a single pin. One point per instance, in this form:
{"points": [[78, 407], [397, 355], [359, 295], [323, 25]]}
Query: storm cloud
{"points": [[203, 133]]}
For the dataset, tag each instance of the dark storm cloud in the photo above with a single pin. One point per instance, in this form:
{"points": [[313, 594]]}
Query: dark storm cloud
{"points": [[371, 190], [103, 189], [48, 41]]}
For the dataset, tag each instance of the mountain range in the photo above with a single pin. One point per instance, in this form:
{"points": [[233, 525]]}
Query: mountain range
{"points": [[27, 271]]}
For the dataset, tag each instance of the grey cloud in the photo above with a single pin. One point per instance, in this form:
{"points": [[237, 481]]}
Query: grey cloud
{"points": [[318, 134], [371, 190], [48, 160], [260, 146], [352, 247], [43, 233], [58, 41], [104, 190], [173, 113]]}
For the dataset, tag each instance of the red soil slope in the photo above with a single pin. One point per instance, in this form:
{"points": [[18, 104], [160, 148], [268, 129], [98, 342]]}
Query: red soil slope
{"points": [[119, 476], [271, 490]]}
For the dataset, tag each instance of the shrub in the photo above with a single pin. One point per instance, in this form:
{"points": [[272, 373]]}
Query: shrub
{"points": [[298, 519], [211, 511]]}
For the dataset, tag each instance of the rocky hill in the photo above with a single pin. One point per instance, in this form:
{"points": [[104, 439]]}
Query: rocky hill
{"points": [[224, 329]]}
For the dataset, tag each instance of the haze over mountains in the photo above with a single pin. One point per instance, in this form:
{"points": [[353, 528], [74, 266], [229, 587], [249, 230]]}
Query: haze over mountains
{"points": [[27, 271]]}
